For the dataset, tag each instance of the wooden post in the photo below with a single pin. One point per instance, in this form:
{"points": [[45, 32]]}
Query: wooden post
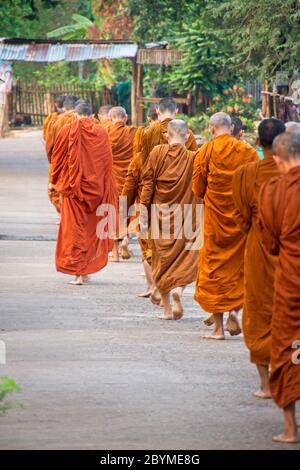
{"points": [[134, 93], [140, 107], [3, 114]]}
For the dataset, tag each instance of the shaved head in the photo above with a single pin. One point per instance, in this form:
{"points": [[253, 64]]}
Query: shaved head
{"points": [[59, 101], [152, 113], [70, 102], [287, 146], [117, 113], [237, 126], [104, 110], [177, 131], [167, 105], [220, 121], [268, 129], [292, 126], [84, 109]]}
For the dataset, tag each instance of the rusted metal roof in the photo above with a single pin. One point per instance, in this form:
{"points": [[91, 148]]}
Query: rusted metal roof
{"points": [[53, 51]]}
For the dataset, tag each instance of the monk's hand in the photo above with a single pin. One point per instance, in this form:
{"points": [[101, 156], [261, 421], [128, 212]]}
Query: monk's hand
{"points": [[50, 187]]}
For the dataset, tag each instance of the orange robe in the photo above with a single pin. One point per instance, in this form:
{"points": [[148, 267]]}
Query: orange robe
{"points": [[47, 135], [48, 123], [220, 284], [259, 263], [167, 180], [280, 217], [82, 174], [155, 135], [65, 118], [121, 139], [105, 122]]}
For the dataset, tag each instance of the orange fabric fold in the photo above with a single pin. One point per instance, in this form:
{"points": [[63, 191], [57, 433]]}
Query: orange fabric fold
{"points": [[65, 118], [82, 174], [259, 263], [219, 286], [280, 217], [121, 139]]}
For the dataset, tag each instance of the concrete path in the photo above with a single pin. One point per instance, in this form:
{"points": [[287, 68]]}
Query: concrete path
{"points": [[97, 367]]}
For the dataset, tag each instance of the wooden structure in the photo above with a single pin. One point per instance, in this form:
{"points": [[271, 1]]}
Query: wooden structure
{"points": [[151, 56]]}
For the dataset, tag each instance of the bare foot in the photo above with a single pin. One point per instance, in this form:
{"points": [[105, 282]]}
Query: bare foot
{"points": [[114, 259], [167, 317], [213, 336], [285, 439], [262, 394], [145, 295], [155, 296], [233, 325], [86, 278], [177, 306], [125, 253], [78, 281], [209, 320]]}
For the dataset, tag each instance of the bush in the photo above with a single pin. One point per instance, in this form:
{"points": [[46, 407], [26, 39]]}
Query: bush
{"points": [[235, 102], [7, 386]]}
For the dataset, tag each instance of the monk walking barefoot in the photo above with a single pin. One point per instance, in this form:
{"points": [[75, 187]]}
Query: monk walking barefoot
{"points": [[167, 188], [280, 218], [82, 175], [259, 263], [219, 285]]}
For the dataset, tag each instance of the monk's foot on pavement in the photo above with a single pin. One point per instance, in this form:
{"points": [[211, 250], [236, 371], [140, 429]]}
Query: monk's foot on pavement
{"points": [[125, 253], [167, 316], [214, 336], [86, 278], [177, 306], [146, 295], [209, 320], [264, 394], [78, 281], [286, 438], [233, 325], [155, 297]]}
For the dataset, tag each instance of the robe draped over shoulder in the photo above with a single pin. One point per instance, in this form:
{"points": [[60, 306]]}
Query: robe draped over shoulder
{"points": [[279, 213], [219, 286], [259, 263]]}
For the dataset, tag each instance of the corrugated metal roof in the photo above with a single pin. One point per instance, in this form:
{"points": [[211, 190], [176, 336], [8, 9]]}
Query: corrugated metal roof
{"points": [[74, 51]]}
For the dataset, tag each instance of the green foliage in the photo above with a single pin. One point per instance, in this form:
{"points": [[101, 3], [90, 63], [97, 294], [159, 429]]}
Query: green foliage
{"points": [[14, 18], [235, 102], [7, 387], [76, 30]]}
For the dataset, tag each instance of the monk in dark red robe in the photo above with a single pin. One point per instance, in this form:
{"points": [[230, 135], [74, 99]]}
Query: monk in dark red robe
{"points": [[220, 284], [259, 263], [280, 218], [82, 174]]}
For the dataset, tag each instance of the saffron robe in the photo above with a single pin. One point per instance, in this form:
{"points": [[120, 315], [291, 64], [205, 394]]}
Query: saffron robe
{"points": [[47, 135], [121, 139], [82, 174], [65, 118], [220, 284], [259, 263], [167, 180], [280, 217]]}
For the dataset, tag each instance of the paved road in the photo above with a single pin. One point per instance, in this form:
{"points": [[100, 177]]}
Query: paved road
{"points": [[98, 369]]}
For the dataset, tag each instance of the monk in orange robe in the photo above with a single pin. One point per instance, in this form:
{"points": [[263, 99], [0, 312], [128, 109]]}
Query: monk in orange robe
{"points": [[219, 286], [167, 184], [156, 135], [259, 263], [103, 115], [280, 217], [132, 190], [82, 174], [121, 138]]}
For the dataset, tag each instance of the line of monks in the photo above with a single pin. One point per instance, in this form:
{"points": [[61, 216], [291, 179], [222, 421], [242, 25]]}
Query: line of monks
{"points": [[250, 256]]}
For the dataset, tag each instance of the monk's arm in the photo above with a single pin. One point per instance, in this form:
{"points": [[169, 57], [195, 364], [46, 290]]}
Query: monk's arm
{"points": [[267, 217], [131, 184], [60, 150], [200, 173], [148, 181], [240, 194]]}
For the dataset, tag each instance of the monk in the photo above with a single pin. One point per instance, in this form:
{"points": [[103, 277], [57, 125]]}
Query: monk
{"points": [[47, 130], [52, 117], [219, 286], [280, 217], [156, 135], [121, 138], [82, 174], [167, 183], [292, 126], [132, 190], [103, 115], [259, 263]]}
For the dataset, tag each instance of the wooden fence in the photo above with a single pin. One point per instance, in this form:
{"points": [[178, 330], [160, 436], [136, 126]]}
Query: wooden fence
{"points": [[29, 104]]}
